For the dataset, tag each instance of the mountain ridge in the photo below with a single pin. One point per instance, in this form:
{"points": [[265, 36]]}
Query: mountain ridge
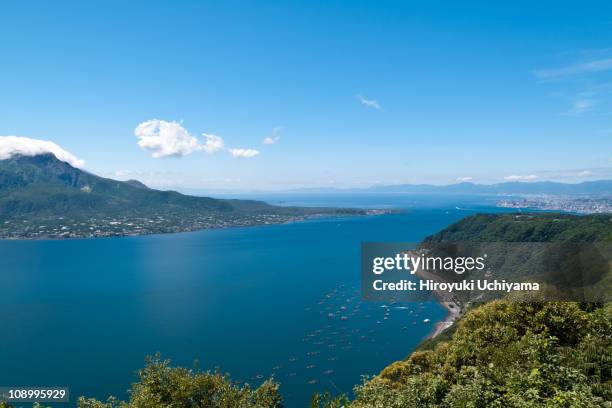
{"points": [[42, 196], [596, 187]]}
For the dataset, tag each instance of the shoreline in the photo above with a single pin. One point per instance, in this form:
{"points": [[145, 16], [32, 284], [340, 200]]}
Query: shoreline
{"points": [[454, 313], [451, 306], [195, 228]]}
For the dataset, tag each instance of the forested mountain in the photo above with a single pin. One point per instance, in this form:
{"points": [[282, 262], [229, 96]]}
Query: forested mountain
{"points": [[41, 196]]}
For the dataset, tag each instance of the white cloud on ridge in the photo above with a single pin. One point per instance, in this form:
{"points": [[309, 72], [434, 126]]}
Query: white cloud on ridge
{"points": [[243, 153], [18, 145], [370, 103], [521, 178], [170, 139]]}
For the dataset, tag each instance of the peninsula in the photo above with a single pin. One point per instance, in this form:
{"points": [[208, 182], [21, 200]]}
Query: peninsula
{"points": [[42, 197]]}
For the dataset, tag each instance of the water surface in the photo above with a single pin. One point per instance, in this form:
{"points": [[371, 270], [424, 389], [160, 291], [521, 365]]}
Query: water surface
{"points": [[275, 300]]}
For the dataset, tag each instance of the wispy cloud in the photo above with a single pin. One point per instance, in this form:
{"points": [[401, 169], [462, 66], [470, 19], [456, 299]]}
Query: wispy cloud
{"points": [[515, 177], [241, 153], [579, 83], [274, 137], [581, 106], [370, 103], [588, 67], [464, 179]]}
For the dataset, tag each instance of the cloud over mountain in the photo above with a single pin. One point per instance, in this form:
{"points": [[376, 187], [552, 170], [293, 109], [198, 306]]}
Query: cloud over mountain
{"points": [[520, 178], [25, 146]]}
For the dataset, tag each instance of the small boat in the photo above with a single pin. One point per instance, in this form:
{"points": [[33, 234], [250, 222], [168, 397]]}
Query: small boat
{"points": [[328, 372], [426, 320]]}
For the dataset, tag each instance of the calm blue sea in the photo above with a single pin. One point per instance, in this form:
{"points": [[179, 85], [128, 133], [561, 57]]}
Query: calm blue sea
{"points": [[254, 301]]}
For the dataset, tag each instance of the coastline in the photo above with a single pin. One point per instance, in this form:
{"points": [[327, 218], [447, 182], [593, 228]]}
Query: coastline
{"points": [[178, 229], [454, 313], [451, 305]]}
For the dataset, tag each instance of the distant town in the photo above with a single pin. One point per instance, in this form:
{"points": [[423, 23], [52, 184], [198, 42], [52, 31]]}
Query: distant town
{"points": [[579, 205], [64, 227]]}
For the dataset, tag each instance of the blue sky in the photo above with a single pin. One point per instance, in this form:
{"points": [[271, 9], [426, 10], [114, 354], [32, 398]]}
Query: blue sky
{"points": [[359, 93]]}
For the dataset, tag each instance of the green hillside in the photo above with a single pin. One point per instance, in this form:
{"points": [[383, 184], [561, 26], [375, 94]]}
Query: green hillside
{"points": [[568, 254], [535, 227]]}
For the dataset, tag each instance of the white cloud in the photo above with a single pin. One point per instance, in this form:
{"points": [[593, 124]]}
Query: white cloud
{"points": [[585, 173], [17, 145], [370, 103], [576, 69], [520, 178], [243, 153], [170, 139], [165, 139], [464, 179], [275, 137], [213, 143]]}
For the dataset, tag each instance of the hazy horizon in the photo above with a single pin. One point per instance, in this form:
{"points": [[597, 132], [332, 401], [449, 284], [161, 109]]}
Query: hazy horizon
{"points": [[302, 94]]}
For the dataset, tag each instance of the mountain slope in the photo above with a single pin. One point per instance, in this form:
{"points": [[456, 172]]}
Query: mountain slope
{"points": [[41, 196]]}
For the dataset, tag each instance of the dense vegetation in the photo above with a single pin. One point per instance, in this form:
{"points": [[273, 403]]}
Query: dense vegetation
{"points": [[43, 197], [534, 227], [567, 255], [505, 354], [163, 386], [160, 385]]}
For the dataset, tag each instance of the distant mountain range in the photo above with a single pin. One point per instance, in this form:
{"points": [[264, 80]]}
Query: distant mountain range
{"points": [[600, 187], [540, 187], [41, 196]]}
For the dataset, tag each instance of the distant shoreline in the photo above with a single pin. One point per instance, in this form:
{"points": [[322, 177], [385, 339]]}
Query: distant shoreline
{"points": [[195, 228]]}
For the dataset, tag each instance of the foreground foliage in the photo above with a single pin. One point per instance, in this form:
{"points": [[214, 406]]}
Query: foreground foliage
{"points": [[505, 354], [161, 385]]}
